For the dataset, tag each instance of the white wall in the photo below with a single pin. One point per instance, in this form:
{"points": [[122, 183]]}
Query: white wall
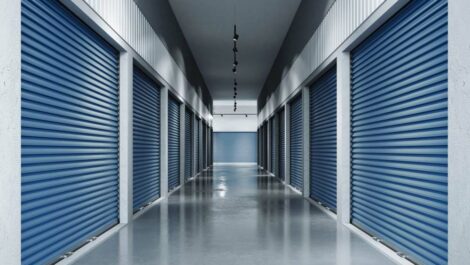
{"points": [[235, 121], [128, 22], [342, 20]]}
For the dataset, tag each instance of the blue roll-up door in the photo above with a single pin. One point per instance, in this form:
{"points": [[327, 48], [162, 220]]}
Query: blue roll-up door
{"points": [[265, 150], [69, 132], [296, 144], [211, 134], [259, 147], [197, 157], [209, 147], [188, 144], [263, 146], [173, 143], [204, 145], [146, 139], [273, 146], [282, 144], [257, 151], [323, 139], [206, 136], [399, 132]]}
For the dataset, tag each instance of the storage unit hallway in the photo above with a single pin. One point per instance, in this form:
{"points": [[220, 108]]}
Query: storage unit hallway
{"points": [[235, 215], [177, 132]]}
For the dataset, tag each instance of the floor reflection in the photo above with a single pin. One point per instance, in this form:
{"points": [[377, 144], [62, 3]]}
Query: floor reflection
{"points": [[234, 215]]}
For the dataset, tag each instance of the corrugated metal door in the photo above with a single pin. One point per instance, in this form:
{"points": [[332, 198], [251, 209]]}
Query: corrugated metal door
{"points": [[207, 145], [273, 146], [69, 132], [262, 147], [188, 145], [146, 139], [204, 145], [259, 146], [282, 144], [265, 142], [211, 146], [173, 143], [399, 132], [296, 144], [197, 158], [323, 139]]}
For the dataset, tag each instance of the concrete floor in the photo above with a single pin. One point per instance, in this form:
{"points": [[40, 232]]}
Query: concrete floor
{"points": [[234, 215]]}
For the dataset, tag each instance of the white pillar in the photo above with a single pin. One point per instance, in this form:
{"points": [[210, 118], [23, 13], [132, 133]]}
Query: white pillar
{"points": [[10, 132], [343, 148], [164, 142], [125, 138], [459, 132], [182, 144], [306, 139]]}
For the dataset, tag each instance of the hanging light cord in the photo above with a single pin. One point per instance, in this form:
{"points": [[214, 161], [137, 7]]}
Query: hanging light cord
{"points": [[235, 58]]}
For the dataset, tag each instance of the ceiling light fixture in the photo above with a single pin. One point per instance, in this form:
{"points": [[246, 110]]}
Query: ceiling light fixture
{"points": [[235, 39]]}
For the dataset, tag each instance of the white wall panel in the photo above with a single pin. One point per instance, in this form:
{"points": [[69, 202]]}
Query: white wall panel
{"points": [[343, 18], [234, 123], [130, 24]]}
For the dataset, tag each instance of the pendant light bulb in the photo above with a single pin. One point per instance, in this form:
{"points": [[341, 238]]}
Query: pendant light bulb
{"points": [[235, 34]]}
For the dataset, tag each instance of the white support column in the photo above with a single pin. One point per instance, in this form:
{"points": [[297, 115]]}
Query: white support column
{"points": [[10, 132], [125, 138], [164, 142], [343, 148], [182, 143], [287, 129], [459, 132], [306, 139]]}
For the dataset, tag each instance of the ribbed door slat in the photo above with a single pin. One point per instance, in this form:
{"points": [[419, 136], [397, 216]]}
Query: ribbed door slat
{"points": [[173, 143], [188, 139], [282, 144], [69, 132], [399, 132], [323, 139], [146, 139], [296, 144]]}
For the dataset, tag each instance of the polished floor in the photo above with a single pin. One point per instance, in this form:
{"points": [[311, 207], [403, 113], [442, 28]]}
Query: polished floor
{"points": [[234, 215]]}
